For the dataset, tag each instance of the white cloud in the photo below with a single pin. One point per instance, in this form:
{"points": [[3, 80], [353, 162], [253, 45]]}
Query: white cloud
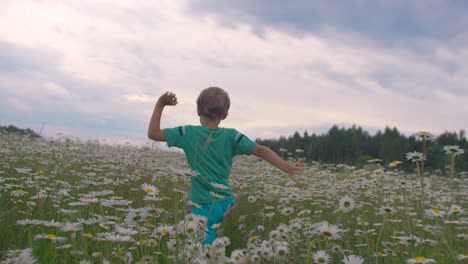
{"points": [[134, 52], [140, 98], [56, 90], [17, 104]]}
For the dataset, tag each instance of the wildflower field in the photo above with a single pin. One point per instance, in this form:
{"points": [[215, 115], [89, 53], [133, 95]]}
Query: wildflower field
{"points": [[65, 201]]}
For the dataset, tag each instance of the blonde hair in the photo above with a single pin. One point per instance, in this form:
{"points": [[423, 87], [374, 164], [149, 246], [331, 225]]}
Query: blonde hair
{"points": [[213, 103]]}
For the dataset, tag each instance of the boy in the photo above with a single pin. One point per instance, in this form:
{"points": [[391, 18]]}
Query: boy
{"points": [[209, 150]]}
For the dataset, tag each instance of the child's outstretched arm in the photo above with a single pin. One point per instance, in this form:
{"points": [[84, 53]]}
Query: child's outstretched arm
{"points": [[154, 130], [269, 155]]}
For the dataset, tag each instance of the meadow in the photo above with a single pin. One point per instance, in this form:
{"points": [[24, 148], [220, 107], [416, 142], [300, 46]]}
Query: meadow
{"points": [[65, 201]]}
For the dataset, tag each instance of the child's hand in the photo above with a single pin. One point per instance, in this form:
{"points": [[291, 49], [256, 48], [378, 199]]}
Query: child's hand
{"points": [[296, 168], [167, 98]]}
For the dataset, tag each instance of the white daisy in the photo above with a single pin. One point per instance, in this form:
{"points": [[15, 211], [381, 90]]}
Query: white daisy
{"points": [[149, 189], [387, 210], [114, 237], [287, 211], [219, 186], [394, 163], [252, 198], [70, 227], [192, 204], [453, 150], [21, 256], [424, 135], [281, 251], [52, 237], [434, 213], [237, 256], [125, 231], [420, 260], [455, 209], [332, 232], [415, 156], [353, 259], [346, 204], [216, 195], [321, 256]]}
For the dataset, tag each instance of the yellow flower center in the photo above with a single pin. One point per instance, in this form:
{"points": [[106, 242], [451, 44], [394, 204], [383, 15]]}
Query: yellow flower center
{"points": [[164, 230], [89, 235], [149, 190], [419, 258], [437, 211], [51, 236]]}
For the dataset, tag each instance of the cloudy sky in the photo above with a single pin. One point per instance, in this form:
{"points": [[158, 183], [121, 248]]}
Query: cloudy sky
{"points": [[94, 68]]}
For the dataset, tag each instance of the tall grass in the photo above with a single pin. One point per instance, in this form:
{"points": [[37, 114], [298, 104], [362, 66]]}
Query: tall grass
{"points": [[82, 202]]}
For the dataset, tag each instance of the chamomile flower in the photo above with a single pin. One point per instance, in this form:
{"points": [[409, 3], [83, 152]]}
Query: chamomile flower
{"points": [[353, 259], [434, 213], [265, 250], [191, 227], [321, 257], [455, 209], [237, 256], [281, 251], [24, 256], [420, 260], [394, 163], [424, 135], [216, 195], [70, 227], [274, 234], [149, 189], [221, 242], [374, 161], [453, 150], [219, 186], [125, 231], [114, 237], [192, 204], [330, 231], [51, 237], [415, 156], [387, 210], [346, 204], [287, 211], [252, 198]]}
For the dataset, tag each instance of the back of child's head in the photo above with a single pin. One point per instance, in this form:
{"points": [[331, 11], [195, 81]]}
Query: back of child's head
{"points": [[213, 103]]}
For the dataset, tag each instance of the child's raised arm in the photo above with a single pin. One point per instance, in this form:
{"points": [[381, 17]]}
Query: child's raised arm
{"points": [[269, 155], [154, 130]]}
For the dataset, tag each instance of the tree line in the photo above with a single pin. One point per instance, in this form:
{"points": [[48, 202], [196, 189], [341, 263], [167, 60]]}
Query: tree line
{"points": [[355, 146], [10, 129]]}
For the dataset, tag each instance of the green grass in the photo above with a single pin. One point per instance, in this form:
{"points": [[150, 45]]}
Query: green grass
{"points": [[65, 181]]}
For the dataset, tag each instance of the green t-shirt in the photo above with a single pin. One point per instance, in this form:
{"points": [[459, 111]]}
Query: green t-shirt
{"points": [[209, 156]]}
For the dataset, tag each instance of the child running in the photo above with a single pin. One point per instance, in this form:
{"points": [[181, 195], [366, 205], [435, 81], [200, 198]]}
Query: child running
{"points": [[209, 150]]}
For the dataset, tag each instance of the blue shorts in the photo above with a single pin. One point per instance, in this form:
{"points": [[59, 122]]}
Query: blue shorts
{"points": [[218, 211]]}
